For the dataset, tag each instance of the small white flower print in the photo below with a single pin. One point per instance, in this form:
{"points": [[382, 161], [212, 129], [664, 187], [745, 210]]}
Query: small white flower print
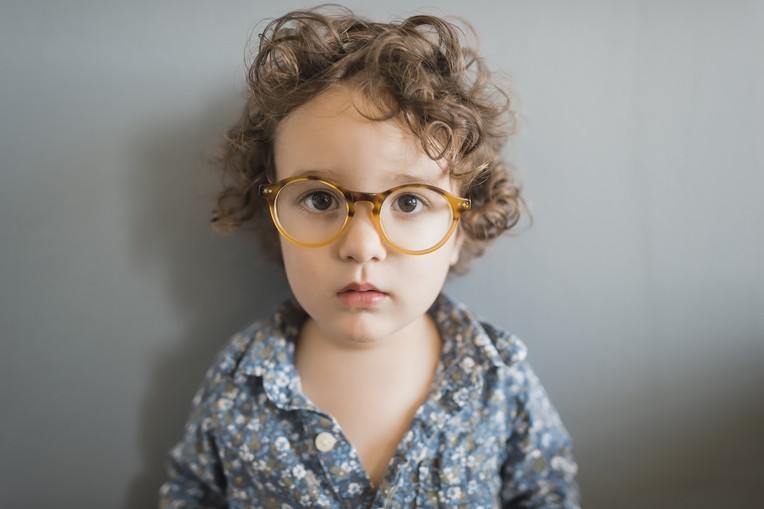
{"points": [[246, 454], [461, 396], [454, 493], [564, 464], [354, 488], [224, 404], [281, 379], [298, 471], [281, 444], [450, 475], [439, 418]]}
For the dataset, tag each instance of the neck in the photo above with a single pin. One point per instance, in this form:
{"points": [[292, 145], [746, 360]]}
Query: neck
{"points": [[414, 348]]}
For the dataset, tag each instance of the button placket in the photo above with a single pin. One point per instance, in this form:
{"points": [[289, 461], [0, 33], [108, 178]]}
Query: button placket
{"points": [[340, 464]]}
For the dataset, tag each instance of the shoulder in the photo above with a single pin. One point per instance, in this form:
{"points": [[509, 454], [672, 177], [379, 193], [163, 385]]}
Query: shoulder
{"points": [[496, 345], [510, 348], [226, 361], [532, 404], [523, 381]]}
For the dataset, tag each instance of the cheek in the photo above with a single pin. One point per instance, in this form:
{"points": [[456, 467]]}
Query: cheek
{"points": [[425, 268], [432, 267], [304, 266], [297, 262]]}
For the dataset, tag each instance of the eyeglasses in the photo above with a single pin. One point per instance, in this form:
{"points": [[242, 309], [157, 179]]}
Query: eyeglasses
{"points": [[312, 211]]}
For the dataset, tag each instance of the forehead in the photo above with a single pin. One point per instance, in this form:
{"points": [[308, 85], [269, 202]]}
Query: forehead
{"points": [[392, 177], [327, 136]]}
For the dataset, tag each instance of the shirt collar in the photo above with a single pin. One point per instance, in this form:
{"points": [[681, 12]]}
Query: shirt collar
{"points": [[468, 340]]}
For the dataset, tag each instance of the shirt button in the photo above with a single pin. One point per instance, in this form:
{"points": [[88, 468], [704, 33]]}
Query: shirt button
{"points": [[325, 441]]}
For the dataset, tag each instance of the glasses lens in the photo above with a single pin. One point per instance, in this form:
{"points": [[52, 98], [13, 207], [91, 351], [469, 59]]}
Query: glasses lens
{"points": [[413, 218], [310, 211], [416, 218]]}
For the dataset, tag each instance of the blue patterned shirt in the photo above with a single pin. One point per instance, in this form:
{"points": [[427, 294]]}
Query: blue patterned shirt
{"points": [[486, 436]]}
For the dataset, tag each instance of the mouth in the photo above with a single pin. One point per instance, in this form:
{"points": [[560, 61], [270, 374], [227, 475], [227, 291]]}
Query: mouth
{"points": [[361, 295], [361, 298], [360, 287]]}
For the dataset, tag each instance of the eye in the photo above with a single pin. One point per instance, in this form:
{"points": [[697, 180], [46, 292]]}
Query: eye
{"points": [[408, 202], [318, 201]]}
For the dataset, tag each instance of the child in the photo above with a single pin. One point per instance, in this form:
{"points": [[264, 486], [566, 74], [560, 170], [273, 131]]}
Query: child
{"points": [[369, 165]]}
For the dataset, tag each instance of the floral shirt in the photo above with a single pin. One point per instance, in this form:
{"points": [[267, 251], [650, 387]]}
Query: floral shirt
{"points": [[487, 435]]}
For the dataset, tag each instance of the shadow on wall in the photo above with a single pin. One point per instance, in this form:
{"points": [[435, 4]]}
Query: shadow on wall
{"points": [[218, 285], [694, 441]]}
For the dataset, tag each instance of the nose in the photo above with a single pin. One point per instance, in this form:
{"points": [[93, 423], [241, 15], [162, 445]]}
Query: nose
{"points": [[361, 241]]}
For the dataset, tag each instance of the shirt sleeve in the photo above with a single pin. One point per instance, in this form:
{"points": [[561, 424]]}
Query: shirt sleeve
{"points": [[195, 477], [540, 470]]}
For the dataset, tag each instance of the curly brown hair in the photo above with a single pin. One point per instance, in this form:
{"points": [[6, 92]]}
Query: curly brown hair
{"points": [[415, 70]]}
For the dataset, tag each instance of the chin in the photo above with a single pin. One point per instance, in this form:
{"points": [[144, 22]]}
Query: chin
{"points": [[360, 327]]}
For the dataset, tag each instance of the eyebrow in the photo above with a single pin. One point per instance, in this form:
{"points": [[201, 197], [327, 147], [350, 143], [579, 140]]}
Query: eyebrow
{"points": [[403, 178]]}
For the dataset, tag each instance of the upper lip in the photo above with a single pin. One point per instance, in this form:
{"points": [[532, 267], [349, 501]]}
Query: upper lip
{"points": [[360, 287]]}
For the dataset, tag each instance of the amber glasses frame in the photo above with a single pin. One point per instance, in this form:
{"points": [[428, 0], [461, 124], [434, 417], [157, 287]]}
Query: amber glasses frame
{"points": [[271, 191]]}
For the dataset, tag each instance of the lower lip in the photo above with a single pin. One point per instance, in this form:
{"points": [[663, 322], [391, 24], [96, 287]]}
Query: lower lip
{"points": [[361, 299]]}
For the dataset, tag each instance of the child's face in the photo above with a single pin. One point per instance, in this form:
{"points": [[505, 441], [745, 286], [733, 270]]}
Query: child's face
{"points": [[364, 155]]}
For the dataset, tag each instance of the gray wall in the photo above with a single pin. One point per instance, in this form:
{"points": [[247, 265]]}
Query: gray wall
{"points": [[639, 289]]}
